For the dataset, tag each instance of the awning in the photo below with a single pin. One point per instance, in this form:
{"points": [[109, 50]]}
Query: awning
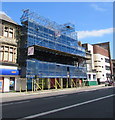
{"points": [[9, 72]]}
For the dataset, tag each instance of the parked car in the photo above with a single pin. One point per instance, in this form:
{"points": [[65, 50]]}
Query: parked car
{"points": [[109, 83]]}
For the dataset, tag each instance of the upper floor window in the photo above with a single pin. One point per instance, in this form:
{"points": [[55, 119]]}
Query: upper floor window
{"points": [[8, 54], [107, 60], [11, 32], [97, 61], [107, 67], [8, 32]]}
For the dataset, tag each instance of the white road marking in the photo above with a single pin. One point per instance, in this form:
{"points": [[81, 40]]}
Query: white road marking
{"points": [[64, 108], [15, 103]]}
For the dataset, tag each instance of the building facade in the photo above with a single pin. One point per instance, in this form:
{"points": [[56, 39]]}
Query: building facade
{"points": [[8, 53], [91, 72], [113, 67], [52, 57], [102, 62]]}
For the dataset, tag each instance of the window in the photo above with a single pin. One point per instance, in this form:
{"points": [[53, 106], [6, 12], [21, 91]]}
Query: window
{"points": [[15, 58], [108, 75], [11, 49], [94, 77], [10, 56], [101, 58], [89, 77], [5, 34], [1, 47], [6, 48], [103, 75], [10, 35], [11, 32], [107, 60], [107, 67], [1, 55], [102, 66], [97, 66], [8, 32], [97, 61], [5, 56]]}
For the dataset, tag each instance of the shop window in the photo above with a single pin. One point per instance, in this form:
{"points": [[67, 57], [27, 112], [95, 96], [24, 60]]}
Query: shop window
{"points": [[12, 83]]}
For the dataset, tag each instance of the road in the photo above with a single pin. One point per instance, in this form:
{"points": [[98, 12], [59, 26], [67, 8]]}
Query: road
{"points": [[88, 104]]}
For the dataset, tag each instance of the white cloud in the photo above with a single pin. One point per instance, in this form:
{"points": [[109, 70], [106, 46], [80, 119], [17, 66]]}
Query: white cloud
{"points": [[94, 33], [97, 7]]}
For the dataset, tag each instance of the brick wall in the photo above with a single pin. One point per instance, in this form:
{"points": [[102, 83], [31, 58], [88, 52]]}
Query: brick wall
{"points": [[99, 50]]}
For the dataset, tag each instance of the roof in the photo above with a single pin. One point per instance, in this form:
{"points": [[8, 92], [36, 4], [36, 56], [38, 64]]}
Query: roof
{"points": [[5, 17]]}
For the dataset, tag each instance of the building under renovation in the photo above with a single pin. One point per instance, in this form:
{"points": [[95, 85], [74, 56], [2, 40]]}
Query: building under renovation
{"points": [[50, 54]]}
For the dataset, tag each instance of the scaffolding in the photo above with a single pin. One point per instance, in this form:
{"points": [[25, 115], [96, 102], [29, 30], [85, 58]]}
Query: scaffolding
{"points": [[47, 33], [40, 31]]}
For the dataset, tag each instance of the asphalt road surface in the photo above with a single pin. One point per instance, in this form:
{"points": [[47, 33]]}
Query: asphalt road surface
{"points": [[88, 104]]}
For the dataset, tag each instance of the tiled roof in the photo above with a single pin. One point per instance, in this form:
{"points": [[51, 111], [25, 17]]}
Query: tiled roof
{"points": [[5, 17]]}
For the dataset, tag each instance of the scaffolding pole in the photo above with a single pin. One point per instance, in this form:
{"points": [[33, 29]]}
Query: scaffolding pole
{"points": [[61, 83], [55, 84], [38, 86], [32, 84], [20, 85], [42, 84], [49, 83], [73, 83], [67, 83], [26, 86]]}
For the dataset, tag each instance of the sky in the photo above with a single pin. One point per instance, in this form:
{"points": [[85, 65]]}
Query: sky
{"points": [[93, 20]]}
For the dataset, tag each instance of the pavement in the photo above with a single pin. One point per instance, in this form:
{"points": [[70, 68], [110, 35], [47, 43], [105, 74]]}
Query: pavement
{"points": [[51, 92], [13, 94]]}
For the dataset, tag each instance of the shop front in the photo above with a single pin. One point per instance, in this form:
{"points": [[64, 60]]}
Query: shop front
{"points": [[8, 79]]}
